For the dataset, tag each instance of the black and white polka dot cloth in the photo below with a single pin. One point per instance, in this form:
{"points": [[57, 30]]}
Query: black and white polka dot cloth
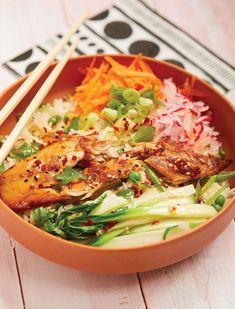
{"points": [[133, 27]]}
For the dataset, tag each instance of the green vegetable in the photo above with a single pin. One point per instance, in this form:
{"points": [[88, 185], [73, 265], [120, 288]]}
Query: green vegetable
{"points": [[221, 152], [121, 150], [112, 202], [207, 185], [212, 199], [198, 189], [135, 177], [84, 208], [217, 207], [145, 102], [24, 151], [131, 95], [167, 230], [110, 114], [153, 197], [150, 94], [74, 124], [99, 241], [224, 176], [54, 120], [2, 168], [114, 103], [92, 119], [116, 92], [220, 200], [127, 194], [154, 178], [144, 134], [43, 218], [68, 175]]}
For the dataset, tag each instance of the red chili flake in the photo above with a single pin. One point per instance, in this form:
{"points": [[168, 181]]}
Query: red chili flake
{"points": [[138, 86], [148, 121], [64, 160], [45, 129], [116, 129], [30, 173], [31, 186], [40, 186], [90, 222], [50, 142], [74, 158], [60, 132], [199, 133], [109, 225], [126, 124], [137, 191], [93, 133], [41, 146], [135, 127], [43, 167], [155, 222], [100, 107], [37, 163]]}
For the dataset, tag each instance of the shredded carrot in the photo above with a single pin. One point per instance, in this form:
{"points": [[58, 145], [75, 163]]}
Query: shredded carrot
{"points": [[94, 91]]}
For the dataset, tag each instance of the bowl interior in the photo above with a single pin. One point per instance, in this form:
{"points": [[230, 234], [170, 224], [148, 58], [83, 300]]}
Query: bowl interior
{"points": [[223, 118]]}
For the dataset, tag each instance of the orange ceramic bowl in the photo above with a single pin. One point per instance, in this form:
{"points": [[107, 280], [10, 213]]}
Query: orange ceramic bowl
{"points": [[134, 259]]}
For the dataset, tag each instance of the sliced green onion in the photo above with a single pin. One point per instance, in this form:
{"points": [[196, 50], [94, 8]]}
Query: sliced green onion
{"points": [[113, 103], [132, 113], [131, 95], [212, 199], [110, 114], [145, 102], [154, 178], [53, 120]]}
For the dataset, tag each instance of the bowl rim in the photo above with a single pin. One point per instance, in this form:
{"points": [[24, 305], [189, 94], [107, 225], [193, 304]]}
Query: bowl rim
{"points": [[161, 243]]}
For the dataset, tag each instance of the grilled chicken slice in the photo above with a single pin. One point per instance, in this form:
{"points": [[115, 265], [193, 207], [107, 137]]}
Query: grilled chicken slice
{"points": [[100, 177], [177, 165], [32, 183], [24, 183]]}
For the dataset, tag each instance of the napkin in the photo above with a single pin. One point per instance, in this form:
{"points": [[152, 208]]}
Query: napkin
{"points": [[132, 27]]}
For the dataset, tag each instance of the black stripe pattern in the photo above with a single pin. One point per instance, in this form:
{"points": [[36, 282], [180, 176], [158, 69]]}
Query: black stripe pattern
{"points": [[131, 26]]}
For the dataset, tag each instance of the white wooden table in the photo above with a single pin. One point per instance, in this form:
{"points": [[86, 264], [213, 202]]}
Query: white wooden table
{"points": [[205, 280]]}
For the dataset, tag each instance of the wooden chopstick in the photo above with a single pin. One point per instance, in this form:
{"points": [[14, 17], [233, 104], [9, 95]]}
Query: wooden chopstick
{"points": [[37, 73], [34, 104]]}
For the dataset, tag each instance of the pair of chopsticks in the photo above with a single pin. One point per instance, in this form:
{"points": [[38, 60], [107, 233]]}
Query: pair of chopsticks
{"points": [[43, 91]]}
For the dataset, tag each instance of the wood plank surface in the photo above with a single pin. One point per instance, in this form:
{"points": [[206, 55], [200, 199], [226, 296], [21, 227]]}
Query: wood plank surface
{"points": [[204, 281], [10, 290], [50, 286]]}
